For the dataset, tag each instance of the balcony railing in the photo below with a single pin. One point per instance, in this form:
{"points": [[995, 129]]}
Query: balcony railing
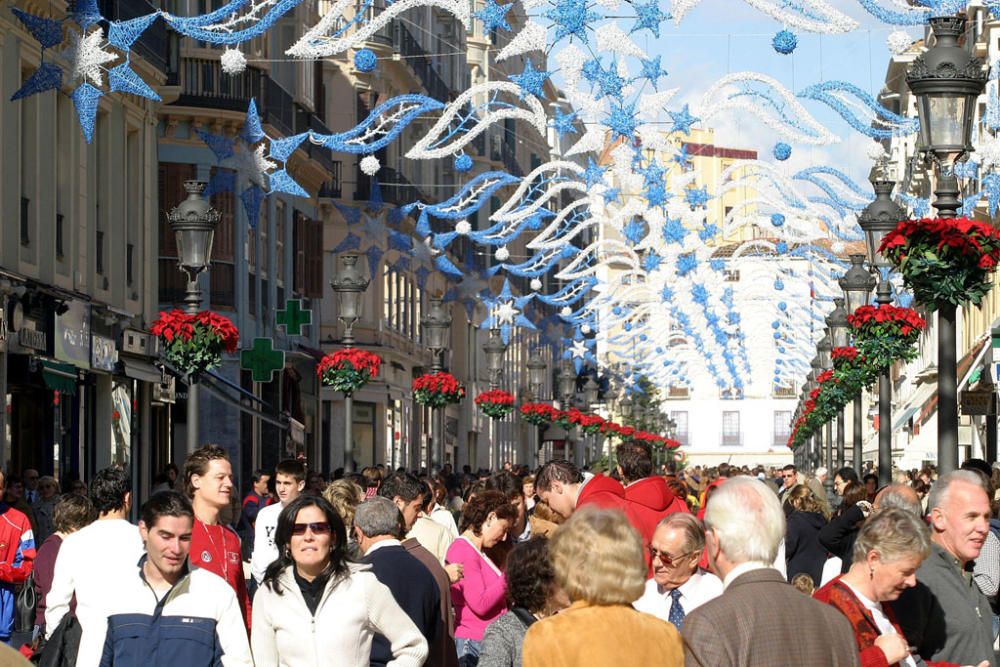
{"points": [[732, 439], [333, 188], [417, 59], [153, 44], [509, 158], [203, 84]]}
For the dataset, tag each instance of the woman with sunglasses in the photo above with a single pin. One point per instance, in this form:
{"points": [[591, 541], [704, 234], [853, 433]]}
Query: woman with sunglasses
{"points": [[314, 608]]}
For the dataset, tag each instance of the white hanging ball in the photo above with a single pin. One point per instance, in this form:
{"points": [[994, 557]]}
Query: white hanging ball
{"points": [[585, 329], [566, 311], [463, 227], [233, 61], [502, 254], [875, 151], [898, 42], [536, 284], [370, 165]]}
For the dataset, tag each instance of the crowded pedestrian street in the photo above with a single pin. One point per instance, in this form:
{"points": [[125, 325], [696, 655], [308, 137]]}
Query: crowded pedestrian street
{"points": [[469, 333]]}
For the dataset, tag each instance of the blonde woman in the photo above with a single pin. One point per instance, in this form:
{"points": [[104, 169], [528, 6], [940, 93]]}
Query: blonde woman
{"points": [[598, 561], [345, 496], [803, 551]]}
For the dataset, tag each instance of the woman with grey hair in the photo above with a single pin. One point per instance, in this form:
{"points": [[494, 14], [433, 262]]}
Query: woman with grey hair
{"points": [[889, 549]]}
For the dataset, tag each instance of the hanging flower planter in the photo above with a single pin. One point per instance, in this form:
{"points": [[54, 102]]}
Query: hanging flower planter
{"points": [[589, 424], [496, 403], [538, 414], [194, 344], [437, 390], [944, 262], [348, 370], [885, 334]]}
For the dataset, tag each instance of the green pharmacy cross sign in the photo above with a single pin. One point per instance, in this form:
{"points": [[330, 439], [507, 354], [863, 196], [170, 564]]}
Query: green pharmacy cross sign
{"points": [[262, 360], [293, 317]]}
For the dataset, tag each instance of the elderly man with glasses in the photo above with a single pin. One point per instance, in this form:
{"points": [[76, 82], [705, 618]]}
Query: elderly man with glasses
{"points": [[678, 585]]}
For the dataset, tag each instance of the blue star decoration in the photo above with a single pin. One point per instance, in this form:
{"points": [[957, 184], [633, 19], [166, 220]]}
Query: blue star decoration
{"points": [[506, 311], [648, 16], [580, 351], [696, 197], [610, 195], [494, 16], [674, 231], [609, 82], [682, 158], [634, 231], [250, 163], [563, 123], [622, 121], [531, 81], [89, 47], [593, 174], [682, 120], [652, 71], [571, 18]]}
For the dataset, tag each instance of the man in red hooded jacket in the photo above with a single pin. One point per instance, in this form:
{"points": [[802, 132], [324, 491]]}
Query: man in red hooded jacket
{"points": [[647, 497], [562, 486]]}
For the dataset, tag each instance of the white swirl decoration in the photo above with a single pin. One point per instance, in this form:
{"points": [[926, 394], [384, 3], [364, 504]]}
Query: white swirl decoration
{"points": [[765, 98], [441, 140], [326, 37], [808, 15]]}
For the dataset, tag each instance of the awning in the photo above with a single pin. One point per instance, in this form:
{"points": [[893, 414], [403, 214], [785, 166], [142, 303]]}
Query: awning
{"points": [[59, 377], [913, 405], [964, 367], [140, 370]]}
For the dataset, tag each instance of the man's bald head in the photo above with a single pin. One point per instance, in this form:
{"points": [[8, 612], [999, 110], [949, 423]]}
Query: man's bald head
{"points": [[899, 496]]}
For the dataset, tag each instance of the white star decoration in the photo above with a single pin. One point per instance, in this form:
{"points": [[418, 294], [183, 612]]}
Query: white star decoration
{"points": [[87, 56], [254, 164], [579, 349], [506, 312]]}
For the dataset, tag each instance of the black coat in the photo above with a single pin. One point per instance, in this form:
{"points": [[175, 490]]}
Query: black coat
{"points": [[839, 535], [803, 552], [414, 589]]}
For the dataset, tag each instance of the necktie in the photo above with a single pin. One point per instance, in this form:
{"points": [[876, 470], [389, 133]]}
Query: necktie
{"points": [[676, 615]]}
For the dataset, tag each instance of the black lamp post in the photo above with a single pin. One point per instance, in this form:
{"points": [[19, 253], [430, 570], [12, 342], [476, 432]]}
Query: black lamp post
{"points": [[878, 219], [537, 369], [349, 283], [588, 399], [495, 348], [836, 321], [567, 391], [857, 284], [436, 324], [193, 221], [824, 349], [947, 80]]}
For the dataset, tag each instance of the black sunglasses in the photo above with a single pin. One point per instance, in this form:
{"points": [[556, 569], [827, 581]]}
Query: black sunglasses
{"points": [[317, 528]]}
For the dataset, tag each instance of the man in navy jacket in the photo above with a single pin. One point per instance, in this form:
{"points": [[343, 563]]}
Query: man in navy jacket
{"points": [[378, 525]]}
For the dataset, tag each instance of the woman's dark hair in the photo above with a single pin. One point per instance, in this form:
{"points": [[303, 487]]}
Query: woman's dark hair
{"points": [[109, 488], [511, 486], [72, 512], [476, 511], [337, 567], [854, 492], [530, 576]]}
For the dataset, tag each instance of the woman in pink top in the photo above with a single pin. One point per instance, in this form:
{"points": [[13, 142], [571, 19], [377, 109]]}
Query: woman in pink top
{"points": [[479, 597]]}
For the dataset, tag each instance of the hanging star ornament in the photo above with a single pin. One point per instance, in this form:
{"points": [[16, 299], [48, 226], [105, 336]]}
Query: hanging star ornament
{"points": [[622, 121], [505, 311], [531, 81], [571, 18], [580, 350], [562, 123], [649, 16], [87, 54], [652, 71], [494, 16], [682, 120]]}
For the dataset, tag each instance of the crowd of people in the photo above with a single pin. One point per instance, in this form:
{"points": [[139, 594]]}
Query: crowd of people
{"points": [[707, 567]]}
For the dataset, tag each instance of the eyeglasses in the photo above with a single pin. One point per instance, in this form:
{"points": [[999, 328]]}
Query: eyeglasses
{"points": [[317, 528], [666, 559]]}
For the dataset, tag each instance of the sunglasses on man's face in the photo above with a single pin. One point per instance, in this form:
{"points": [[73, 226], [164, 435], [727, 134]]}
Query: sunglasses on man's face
{"points": [[317, 528], [666, 559]]}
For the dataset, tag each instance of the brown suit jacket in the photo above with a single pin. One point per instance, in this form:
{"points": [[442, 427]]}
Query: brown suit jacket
{"points": [[442, 652], [761, 621]]}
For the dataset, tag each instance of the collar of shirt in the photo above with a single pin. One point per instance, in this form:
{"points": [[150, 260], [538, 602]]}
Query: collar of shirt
{"points": [[743, 568], [312, 588], [383, 543], [526, 535], [684, 588]]}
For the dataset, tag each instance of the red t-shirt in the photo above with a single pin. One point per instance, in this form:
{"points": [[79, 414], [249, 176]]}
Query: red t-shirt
{"points": [[217, 549]]}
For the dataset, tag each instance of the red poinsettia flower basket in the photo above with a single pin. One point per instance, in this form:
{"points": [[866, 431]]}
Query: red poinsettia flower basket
{"points": [[348, 370], [538, 414], [944, 261], [437, 390], [589, 424], [194, 343], [885, 333], [496, 403]]}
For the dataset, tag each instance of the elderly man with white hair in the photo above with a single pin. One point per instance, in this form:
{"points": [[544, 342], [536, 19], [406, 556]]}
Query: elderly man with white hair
{"points": [[678, 585], [945, 616], [759, 620]]}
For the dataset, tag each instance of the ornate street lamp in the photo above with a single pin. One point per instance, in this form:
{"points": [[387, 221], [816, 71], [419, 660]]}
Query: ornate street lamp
{"points": [[590, 391], [883, 297], [567, 391], [537, 369], [824, 348], [878, 219], [193, 221], [436, 324], [625, 406], [837, 324], [857, 284], [495, 348], [947, 80], [349, 283]]}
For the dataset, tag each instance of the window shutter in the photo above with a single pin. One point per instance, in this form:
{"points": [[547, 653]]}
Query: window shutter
{"points": [[314, 259]]}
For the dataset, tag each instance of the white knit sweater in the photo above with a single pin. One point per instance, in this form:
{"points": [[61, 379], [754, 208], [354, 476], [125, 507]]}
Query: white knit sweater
{"points": [[352, 609]]}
